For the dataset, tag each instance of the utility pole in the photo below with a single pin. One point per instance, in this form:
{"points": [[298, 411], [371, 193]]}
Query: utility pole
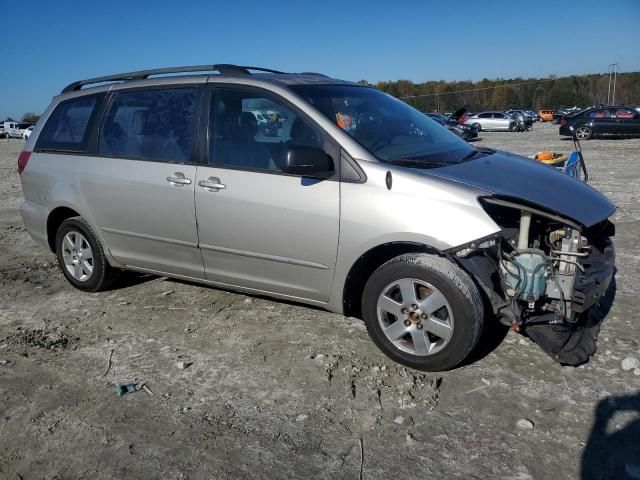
{"points": [[614, 68]]}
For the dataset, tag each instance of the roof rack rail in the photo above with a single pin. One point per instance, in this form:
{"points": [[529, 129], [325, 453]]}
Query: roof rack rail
{"points": [[315, 74], [223, 69]]}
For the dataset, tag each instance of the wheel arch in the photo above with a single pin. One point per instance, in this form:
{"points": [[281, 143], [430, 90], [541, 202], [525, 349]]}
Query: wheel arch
{"points": [[367, 263], [54, 220]]}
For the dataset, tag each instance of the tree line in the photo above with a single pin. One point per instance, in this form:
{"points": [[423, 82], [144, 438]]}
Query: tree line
{"points": [[503, 94], [28, 117]]}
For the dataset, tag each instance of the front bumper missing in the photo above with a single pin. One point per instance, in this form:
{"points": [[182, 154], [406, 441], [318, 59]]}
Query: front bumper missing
{"points": [[592, 284], [569, 343]]}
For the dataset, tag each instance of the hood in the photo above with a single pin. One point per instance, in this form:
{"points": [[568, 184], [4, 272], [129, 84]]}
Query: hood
{"points": [[458, 113], [521, 179]]}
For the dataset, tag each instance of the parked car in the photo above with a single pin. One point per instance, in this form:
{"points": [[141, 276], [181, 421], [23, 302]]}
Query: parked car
{"points": [[496, 121], [561, 112], [466, 132], [361, 205], [460, 116], [534, 116], [27, 132], [557, 116], [526, 118], [546, 114], [15, 129], [602, 121]]}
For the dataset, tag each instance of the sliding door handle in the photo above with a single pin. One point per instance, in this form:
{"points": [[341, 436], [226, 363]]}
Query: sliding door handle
{"points": [[212, 184], [178, 179]]}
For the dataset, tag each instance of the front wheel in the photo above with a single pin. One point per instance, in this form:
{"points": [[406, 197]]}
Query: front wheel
{"points": [[584, 133], [423, 311]]}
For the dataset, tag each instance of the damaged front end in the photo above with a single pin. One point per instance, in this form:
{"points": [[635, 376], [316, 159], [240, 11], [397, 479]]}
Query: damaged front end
{"points": [[543, 275]]}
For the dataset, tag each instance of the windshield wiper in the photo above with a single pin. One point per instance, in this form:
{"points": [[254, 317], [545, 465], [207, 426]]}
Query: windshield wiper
{"points": [[405, 162]]}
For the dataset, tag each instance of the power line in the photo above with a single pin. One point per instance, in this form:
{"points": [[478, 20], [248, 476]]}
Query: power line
{"points": [[479, 89]]}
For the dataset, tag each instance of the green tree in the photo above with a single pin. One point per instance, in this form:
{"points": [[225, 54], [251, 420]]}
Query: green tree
{"points": [[550, 92], [30, 117]]}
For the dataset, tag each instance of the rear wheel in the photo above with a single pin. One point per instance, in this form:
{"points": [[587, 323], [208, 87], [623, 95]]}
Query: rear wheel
{"points": [[423, 311], [584, 133], [81, 256]]}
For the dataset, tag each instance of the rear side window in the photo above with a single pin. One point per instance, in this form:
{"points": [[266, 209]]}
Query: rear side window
{"points": [[625, 113], [156, 124], [67, 128]]}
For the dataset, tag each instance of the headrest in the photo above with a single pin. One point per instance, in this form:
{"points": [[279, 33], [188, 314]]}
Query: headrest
{"points": [[301, 132], [248, 124], [139, 121]]}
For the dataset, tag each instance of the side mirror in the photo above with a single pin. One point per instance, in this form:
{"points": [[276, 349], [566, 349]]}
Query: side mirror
{"points": [[308, 161]]}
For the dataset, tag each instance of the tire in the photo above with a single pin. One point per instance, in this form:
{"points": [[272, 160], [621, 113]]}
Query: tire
{"points": [[478, 126], [76, 232], [584, 133], [452, 330]]}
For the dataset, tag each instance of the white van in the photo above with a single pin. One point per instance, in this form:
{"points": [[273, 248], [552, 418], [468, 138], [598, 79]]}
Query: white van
{"points": [[15, 129]]}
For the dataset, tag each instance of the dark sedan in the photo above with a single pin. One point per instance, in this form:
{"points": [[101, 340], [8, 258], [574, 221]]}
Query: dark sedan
{"points": [[602, 121], [466, 132]]}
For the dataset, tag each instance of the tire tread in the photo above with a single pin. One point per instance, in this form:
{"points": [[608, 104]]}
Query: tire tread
{"points": [[107, 274], [458, 278]]}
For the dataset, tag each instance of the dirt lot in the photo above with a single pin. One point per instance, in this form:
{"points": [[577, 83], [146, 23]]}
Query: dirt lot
{"points": [[276, 390]]}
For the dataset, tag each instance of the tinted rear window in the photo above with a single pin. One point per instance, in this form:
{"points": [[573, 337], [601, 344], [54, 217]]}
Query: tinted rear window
{"points": [[155, 124], [67, 127]]}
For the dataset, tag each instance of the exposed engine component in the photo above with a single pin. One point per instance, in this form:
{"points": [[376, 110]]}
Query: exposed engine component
{"points": [[525, 274], [529, 274], [546, 274]]}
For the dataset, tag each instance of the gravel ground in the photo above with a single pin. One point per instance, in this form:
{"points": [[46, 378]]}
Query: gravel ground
{"points": [[276, 390]]}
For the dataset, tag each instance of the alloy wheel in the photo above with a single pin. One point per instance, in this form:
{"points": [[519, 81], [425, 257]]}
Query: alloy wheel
{"points": [[415, 316], [77, 255], [583, 133]]}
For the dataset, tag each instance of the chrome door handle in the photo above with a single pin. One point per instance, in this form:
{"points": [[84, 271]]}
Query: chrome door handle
{"points": [[178, 179], [212, 184]]}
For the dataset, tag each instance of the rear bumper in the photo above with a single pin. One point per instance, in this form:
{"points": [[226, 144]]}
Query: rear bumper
{"points": [[564, 130], [591, 285], [34, 217]]}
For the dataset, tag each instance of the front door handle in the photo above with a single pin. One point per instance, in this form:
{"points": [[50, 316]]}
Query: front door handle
{"points": [[212, 184], [178, 179]]}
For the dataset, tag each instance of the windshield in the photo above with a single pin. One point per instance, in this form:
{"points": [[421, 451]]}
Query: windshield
{"points": [[390, 129]]}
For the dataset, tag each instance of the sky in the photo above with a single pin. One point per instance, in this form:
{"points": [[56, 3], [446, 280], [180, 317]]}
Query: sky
{"points": [[48, 44]]}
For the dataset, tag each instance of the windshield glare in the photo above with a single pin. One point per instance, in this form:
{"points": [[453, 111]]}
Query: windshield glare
{"points": [[387, 127]]}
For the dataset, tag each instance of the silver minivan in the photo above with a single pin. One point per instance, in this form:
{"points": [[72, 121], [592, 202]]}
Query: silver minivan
{"points": [[354, 202]]}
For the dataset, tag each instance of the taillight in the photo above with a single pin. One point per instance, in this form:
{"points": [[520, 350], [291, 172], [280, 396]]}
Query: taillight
{"points": [[22, 161], [563, 122]]}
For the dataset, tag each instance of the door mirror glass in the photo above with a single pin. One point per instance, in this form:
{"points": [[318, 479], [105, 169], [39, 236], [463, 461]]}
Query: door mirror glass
{"points": [[308, 162]]}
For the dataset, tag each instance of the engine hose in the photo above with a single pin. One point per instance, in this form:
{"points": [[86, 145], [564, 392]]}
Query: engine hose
{"points": [[521, 278]]}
